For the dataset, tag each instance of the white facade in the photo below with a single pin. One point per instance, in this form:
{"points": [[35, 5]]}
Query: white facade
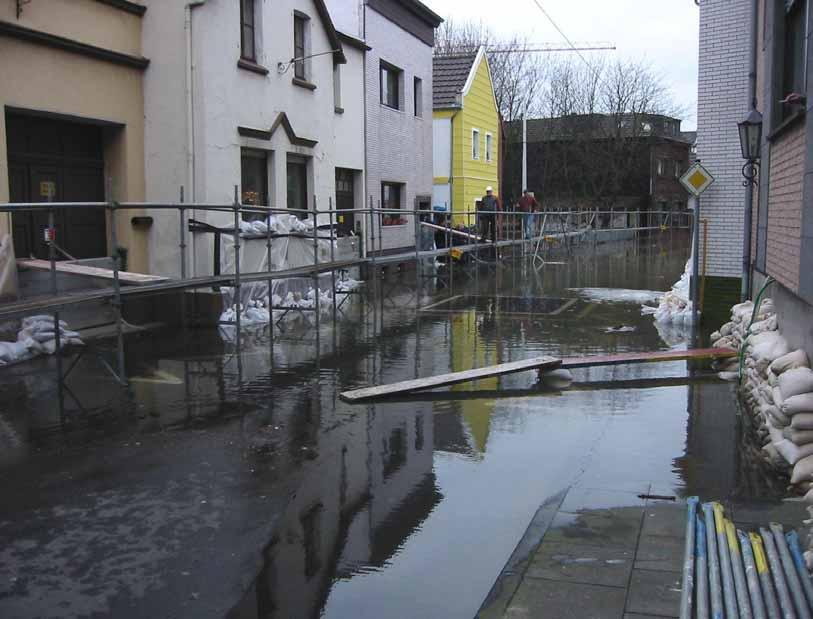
{"points": [[722, 102], [399, 144], [399, 141], [225, 96]]}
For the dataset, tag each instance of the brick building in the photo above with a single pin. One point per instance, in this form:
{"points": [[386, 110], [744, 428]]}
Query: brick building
{"points": [[603, 161], [722, 101], [781, 238]]}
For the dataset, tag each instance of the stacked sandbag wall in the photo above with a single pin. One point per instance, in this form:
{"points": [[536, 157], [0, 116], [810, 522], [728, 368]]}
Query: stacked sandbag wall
{"points": [[776, 391]]}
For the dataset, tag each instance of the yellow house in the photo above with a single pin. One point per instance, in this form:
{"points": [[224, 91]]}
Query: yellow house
{"points": [[466, 133]]}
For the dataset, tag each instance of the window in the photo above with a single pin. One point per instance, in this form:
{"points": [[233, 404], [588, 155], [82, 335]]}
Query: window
{"points": [[247, 34], [391, 86], [677, 169], [475, 143], [297, 185], [391, 200], [793, 63], [489, 152], [300, 32], [337, 88], [253, 180], [417, 96], [660, 166]]}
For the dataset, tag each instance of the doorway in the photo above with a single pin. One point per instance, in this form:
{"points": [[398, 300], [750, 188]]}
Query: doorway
{"points": [[298, 186], [64, 158], [345, 201]]}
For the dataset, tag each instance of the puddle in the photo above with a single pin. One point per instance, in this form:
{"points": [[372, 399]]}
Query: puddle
{"points": [[243, 487]]}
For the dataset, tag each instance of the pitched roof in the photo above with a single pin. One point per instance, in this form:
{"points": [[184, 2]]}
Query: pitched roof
{"points": [[449, 75]]}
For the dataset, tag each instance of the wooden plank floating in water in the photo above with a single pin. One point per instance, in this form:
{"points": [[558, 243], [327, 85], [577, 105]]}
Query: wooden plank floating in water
{"points": [[697, 354], [442, 380]]}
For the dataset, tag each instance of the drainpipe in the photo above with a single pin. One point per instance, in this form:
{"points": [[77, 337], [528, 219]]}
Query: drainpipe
{"points": [[365, 234], [749, 190], [190, 119]]}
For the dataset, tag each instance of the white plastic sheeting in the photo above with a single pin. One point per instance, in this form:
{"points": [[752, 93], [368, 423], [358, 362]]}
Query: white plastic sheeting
{"points": [[8, 268], [36, 336]]}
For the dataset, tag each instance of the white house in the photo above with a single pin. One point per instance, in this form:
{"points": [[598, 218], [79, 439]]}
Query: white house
{"points": [[398, 93], [227, 105]]}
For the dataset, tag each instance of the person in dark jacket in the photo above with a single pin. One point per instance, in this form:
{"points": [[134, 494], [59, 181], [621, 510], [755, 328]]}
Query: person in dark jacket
{"points": [[487, 209], [528, 205]]}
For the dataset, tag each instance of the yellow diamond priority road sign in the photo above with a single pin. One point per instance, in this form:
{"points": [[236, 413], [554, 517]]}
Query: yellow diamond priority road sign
{"points": [[696, 179]]}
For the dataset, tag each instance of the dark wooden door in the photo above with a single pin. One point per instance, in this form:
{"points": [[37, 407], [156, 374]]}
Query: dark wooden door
{"points": [[43, 153], [298, 187], [345, 200]]}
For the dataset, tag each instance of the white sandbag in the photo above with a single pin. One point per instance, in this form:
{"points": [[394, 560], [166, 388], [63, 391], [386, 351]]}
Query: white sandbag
{"points": [[802, 470], [773, 413], [728, 376], [796, 359], [795, 381], [775, 433], [769, 349], [791, 452], [716, 335], [802, 421], [802, 403], [769, 324], [799, 437], [727, 329], [773, 379], [778, 400], [767, 393]]}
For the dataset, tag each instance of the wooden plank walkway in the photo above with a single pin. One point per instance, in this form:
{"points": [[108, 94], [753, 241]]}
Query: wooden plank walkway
{"points": [[537, 363], [697, 354], [126, 277], [442, 380]]}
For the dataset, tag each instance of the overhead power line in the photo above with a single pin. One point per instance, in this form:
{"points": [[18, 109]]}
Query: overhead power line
{"points": [[567, 40], [548, 48]]}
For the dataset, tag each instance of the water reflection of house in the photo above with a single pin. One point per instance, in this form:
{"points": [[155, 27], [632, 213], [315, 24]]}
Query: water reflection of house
{"points": [[369, 487]]}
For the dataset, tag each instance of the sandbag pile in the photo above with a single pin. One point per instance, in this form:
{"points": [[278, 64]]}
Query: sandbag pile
{"points": [[734, 333], [675, 307], [37, 336], [278, 224], [257, 311]]}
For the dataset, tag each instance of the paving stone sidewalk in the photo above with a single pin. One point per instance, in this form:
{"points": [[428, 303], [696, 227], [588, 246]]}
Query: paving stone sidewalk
{"points": [[603, 553]]}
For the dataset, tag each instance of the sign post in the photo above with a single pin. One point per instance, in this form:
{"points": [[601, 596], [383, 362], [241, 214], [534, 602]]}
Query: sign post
{"points": [[696, 180]]}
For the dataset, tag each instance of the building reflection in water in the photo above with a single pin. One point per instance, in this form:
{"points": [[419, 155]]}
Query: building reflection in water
{"points": [[370, 486]]}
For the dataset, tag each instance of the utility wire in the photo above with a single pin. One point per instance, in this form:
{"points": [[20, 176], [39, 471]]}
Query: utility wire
{"points": [[547, 15]]}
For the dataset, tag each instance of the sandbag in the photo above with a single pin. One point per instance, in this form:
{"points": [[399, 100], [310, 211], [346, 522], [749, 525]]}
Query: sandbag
{"points": [[727, 329], [767, 393], [793, 453], [798, 437], [802, 403], [795, 381], [802, 470], [778, 400], [773, 379], [772, 412], [796, 359], [802, 421]]}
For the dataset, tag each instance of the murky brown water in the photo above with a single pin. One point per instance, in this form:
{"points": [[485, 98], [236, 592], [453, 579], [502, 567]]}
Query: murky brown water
{"points": [[243, 487]]}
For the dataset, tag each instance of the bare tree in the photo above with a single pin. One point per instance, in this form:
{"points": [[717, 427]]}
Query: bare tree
{"points": [[517, 74]]}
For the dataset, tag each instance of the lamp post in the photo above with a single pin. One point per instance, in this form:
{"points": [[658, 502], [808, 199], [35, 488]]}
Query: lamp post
{"points": [[750, 140]]}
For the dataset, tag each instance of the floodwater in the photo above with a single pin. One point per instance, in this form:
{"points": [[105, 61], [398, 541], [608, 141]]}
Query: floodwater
{"points": [[237, 484]]}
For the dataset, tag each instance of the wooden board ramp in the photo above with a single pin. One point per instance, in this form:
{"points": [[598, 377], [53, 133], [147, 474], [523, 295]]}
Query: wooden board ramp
{"points": [[443, 380], [126, 277], [695, 354], [536, 363]]}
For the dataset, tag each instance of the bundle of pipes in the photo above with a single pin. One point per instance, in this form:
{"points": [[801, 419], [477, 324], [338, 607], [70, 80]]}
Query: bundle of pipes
{"points": [[728, 573]]}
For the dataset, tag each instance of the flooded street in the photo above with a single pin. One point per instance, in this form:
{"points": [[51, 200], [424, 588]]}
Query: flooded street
{"points": [[243, 487]]}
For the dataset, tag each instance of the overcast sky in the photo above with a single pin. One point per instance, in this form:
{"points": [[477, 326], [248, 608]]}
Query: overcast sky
{"points": [[664, 32]]}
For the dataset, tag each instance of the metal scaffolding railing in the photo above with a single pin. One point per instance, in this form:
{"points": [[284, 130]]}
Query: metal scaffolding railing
{"points": [[429, 234]]}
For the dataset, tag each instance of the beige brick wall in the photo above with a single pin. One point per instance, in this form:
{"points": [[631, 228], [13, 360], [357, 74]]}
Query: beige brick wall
{"points": [[785, 207]]}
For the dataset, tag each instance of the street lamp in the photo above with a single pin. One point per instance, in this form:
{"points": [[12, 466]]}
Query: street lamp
{"points": [[750, 141]]}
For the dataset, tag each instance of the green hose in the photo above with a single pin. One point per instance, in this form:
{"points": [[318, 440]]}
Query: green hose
{"points": [[768, 281]]}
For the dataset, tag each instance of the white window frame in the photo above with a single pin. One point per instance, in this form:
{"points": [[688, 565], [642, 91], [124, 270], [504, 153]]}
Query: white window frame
{"points": [[337, 87], [475, 144], [489, 147]]}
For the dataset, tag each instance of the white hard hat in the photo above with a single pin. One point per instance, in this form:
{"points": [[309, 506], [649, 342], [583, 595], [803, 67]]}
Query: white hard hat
{"points": [[489, 188]]}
